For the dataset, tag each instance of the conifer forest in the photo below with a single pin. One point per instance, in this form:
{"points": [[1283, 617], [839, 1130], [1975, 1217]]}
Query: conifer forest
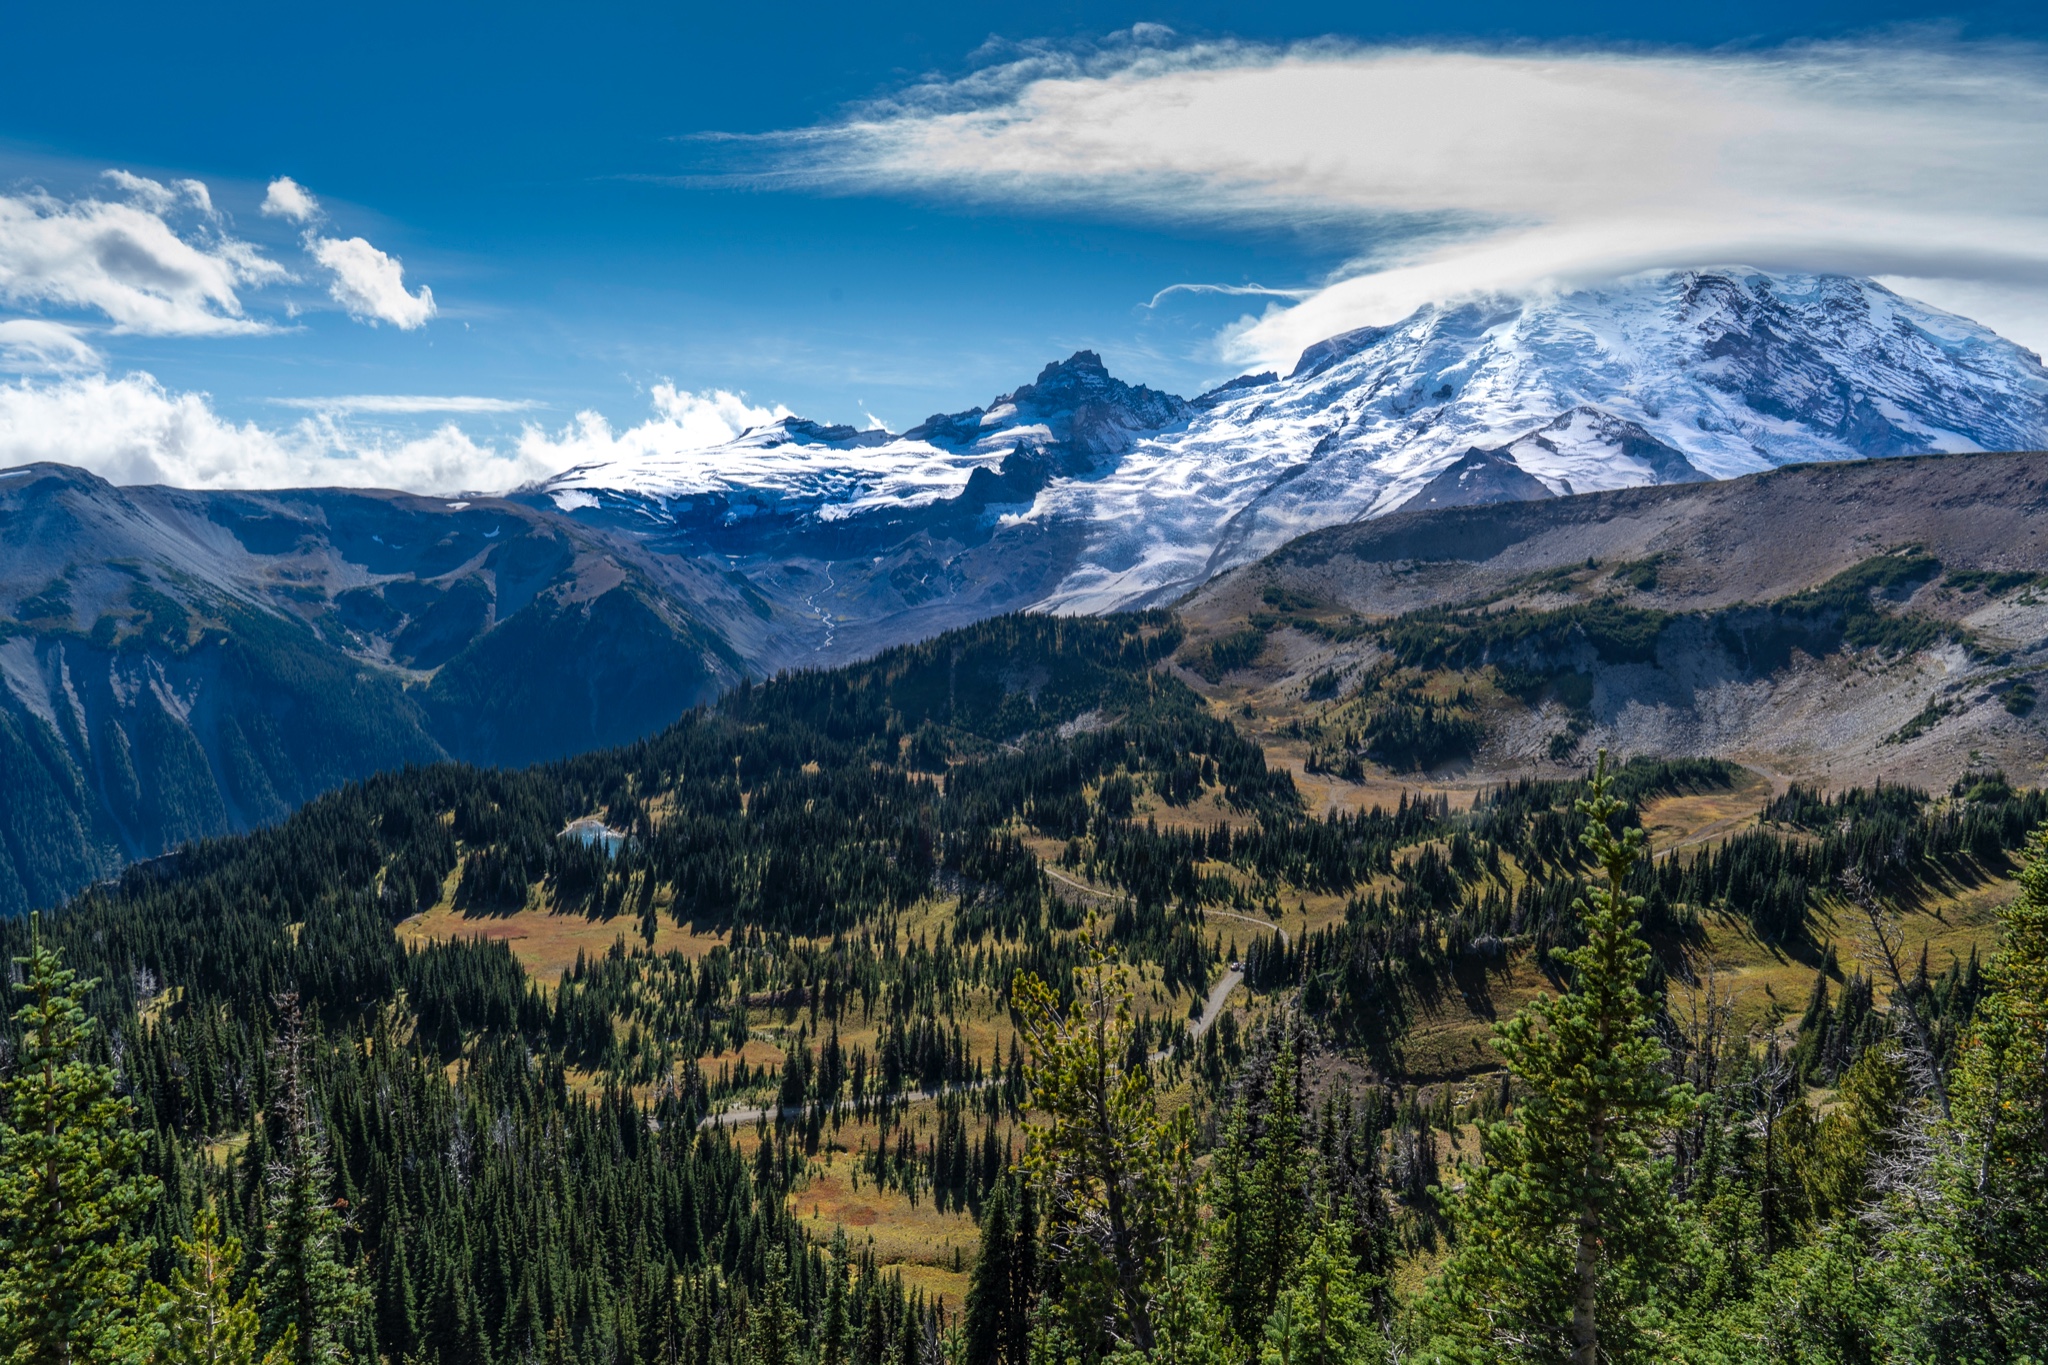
{"points": [[1013, 940]]}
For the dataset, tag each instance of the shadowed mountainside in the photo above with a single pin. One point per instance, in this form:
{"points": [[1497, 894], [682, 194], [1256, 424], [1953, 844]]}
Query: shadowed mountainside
{"points": [[178, 665]]}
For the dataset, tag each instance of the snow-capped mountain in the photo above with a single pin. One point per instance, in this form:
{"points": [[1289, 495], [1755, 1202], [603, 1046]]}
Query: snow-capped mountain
{"points": [[1082, 493], [1657, 380], [796, 466]]}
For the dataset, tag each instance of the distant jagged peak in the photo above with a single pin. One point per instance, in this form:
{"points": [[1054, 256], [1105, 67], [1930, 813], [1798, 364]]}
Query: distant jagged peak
{"points": [[1597, 447], [1477, 478], [1074, 402]]}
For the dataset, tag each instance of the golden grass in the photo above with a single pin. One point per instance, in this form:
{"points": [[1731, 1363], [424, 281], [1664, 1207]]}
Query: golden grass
{"points": [[547, 943], [223, 1150], [1675, 822], [1449, 1040], [757, 1053], [914, 1240]]}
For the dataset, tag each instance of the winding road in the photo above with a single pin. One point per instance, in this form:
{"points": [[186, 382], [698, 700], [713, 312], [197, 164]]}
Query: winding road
{"points": [[1212, 1010], [1219, 995]]}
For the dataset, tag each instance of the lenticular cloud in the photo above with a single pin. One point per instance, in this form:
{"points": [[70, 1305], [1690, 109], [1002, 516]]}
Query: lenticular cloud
{"points": [[1459, 171]]}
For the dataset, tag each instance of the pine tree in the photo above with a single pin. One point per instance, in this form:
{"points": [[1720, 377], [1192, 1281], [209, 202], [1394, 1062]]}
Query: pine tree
{"points": [[1258, 1188], [1192, 1328], [199, 1317], [307, 1292], [1563, 1232], [835, 1329], [398, 1314], [1280, 1207], [1232, 1252], [1324, 1315], [998, 1326], [1967, 1253], [1117, 1177], [68, 1186], [773, 1328]]}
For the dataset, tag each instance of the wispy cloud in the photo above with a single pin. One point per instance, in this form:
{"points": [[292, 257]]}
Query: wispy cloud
{"points": [[160, 198], [34, 345], [1251, 291], [405, 403], [1458, 170]]}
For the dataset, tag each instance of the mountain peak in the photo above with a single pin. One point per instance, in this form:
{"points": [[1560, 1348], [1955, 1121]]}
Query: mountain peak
{"points": [[1079, 361], [1661, 378]]}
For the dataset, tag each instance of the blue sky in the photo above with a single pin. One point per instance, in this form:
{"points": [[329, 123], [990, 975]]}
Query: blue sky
{"points": [[864, 213]]}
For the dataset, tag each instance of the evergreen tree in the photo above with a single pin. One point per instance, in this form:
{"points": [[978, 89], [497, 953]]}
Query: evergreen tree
{"points": [[1564, 1231], [1117, 1177], [1966, 1257], [1324, 1315], [1232, 1251], [397, 1307], [773, 1327], [1192, 1327], [998, 1325], [1259, 1191], [68, 1186], [835, 1329], [307, 1292], [199, 1317], [1281, 1211]]}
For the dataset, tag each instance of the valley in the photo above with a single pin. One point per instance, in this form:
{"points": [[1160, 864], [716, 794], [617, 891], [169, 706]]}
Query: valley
{"points": [[181, 665], [699, 906], [823, 886]]}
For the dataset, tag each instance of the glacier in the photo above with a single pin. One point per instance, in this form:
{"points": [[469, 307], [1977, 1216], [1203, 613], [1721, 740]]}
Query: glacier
{"points": [[1129, 497]]}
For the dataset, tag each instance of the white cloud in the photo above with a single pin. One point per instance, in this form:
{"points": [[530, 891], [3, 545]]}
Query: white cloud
{"points": [[287, 198], [125, 261], [683, 422], [697, 420], [133, 430], [1460, 170], [38, 346], [370, 284], [159, 198], [410, 403]]}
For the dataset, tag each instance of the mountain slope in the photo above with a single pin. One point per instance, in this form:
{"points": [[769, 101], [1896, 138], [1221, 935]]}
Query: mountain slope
{"points": [[872, 539], [1658, 380], [177, 665], [1839, 623]]}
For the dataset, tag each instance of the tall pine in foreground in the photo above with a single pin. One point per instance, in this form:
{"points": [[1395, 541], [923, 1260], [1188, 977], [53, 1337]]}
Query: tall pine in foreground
{"points": [[1564, 1230], [68, 1187], [309, 1297], [998, 1322], [1117, 1177], [1966, 1250]]}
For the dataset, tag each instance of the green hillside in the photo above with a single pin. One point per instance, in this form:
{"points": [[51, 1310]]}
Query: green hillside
{"points": [[722, 1046]]}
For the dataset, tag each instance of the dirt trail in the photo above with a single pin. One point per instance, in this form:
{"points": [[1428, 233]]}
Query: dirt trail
{"points": [[1212, 1010]]}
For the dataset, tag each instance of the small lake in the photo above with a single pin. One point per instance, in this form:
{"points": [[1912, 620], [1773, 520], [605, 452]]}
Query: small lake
{"points": [[594, 831]]}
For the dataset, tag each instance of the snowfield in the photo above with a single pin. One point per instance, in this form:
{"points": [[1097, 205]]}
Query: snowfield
{"points": [[1657, 379]]}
